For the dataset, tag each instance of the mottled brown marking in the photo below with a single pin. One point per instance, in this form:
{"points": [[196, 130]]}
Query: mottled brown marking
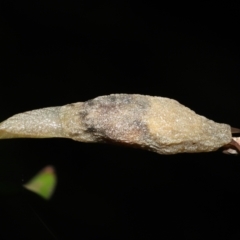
{"points": [[116, 118]]}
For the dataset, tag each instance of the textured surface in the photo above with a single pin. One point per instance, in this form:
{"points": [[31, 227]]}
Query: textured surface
{"points": [[158, 124]]}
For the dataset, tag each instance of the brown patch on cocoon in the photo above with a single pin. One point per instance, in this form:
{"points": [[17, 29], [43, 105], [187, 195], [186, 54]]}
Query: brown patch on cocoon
{"points": [[115, 118]]}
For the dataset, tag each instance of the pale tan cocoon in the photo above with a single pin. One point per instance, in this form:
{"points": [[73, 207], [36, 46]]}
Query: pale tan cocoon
{"points": [[158, 124]]}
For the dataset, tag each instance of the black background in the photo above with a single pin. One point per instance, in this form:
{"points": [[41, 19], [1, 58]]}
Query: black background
{"points": [[58, 52]]}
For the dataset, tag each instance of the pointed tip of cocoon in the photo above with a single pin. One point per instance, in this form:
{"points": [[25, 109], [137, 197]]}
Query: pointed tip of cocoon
{"points": [[41, 123]]}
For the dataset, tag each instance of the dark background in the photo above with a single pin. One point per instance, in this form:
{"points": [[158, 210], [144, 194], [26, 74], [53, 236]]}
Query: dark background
{"points": [[58, 52]]}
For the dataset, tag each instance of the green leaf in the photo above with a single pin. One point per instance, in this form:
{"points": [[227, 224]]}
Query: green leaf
{"points": [[43, 183]]}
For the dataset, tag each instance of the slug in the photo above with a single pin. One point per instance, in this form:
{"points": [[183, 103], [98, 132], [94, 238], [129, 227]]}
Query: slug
{"points": [[158, 124]]}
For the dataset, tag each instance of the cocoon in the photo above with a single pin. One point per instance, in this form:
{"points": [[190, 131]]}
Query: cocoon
{"points": [[158, 124]]}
